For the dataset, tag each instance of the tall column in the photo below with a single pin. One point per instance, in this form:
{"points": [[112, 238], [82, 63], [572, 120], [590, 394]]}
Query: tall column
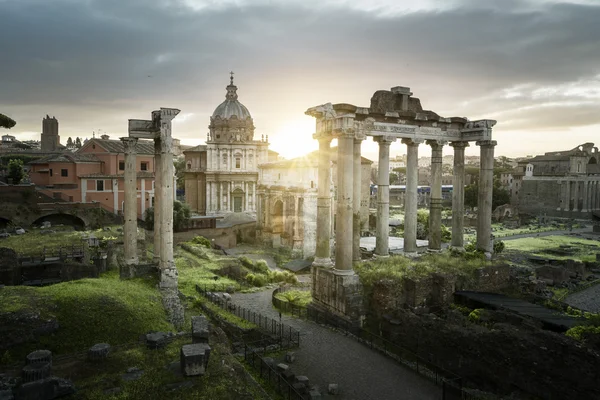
{"points": [[435, 200], [356, 198], [166, 200], [382, 228], [410, 202], [130, 214], [458, 195], [343, 231], [576, 194], [585, 205], [228, 186], [246, 191], [484, 198], [254, 200], [323, 250], [157, 200], [567, 198]]}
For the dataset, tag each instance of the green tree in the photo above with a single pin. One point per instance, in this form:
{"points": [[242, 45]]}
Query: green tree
{"points": [[6, 122], [181, 216], [394, 178], [179, 164], [16, 171], [500, 196], [78, 142], [70, 143]]}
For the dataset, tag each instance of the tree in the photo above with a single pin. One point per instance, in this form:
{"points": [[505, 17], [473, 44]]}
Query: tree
{"points": [[181, 216], [77, 142], [69, 143], [179, 164], [6, 122], [500, 196], [394, 178], [16, 171]]}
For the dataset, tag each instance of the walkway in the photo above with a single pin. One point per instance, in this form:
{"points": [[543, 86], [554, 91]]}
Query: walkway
{"points": [[588, 300], [326, 356]]}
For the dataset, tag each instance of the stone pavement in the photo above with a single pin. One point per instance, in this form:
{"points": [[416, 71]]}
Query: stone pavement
{"points": [[588, 300], [326, 356]]}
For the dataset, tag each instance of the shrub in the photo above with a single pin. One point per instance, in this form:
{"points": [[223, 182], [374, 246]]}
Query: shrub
{"points": [[583, 332], [498, 246], [282, 276], [246, 262], [201, 240], [475, 315], [261, 266]]}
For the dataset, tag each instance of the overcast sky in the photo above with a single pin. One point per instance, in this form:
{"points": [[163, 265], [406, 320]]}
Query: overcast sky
{"points": [[533, 65]]}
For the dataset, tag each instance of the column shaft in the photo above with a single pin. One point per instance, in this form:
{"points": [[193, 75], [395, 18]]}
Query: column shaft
{"points": [[323, 250], [166, 200], [343, 232], [484, 198], [157, 200], [356, 201], [435, 200], [382, 227], [458, 195], [567, 198], [410, 202], [585, 205], [130, 214]]}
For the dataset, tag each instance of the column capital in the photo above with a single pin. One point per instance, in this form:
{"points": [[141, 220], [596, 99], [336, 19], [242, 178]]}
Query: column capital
{"points": [[321, 136], [384, 140], [486, 143], [412, 142], [129, 144], [436, 143], [359, 137], [459, 145], [344, 133]]}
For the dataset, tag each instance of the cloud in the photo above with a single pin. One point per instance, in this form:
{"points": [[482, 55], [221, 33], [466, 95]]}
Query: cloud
{"points": [[96, 63]]}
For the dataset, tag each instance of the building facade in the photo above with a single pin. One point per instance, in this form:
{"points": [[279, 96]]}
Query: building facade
{"points": [[562, 183], [221, 176]]}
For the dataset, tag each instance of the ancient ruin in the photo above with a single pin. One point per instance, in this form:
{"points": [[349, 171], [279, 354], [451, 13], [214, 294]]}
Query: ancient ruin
{"points": [[392, 115]]}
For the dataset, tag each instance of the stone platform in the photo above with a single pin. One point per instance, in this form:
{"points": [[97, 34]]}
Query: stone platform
{"points": [[395, 243]]}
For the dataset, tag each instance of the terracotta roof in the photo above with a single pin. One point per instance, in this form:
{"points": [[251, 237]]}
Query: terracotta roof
{"points": [[198, 148], [139, 174], [116, 146], [551, 157], [67, 158]]}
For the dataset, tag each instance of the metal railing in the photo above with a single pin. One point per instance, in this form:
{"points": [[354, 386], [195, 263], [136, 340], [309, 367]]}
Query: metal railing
{"points": [[288, 337]]}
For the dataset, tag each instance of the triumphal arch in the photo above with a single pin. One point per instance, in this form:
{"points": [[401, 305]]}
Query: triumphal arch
{"points": [[393, 116]]}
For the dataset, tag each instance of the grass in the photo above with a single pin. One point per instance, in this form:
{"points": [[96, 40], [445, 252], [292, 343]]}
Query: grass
{"points": [[89, 311], [201, 302], [397, 268], [585, 249]]}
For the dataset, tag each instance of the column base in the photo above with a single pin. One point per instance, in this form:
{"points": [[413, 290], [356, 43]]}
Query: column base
{"points": [[434, 251], [411, 254], [322, 262], [343, 272], [458, 249], [376, 256], [132, 261], [338, 292], [168, 278]]}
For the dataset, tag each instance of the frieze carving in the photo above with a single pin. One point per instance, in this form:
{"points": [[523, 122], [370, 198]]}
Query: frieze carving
{"points": [[480, 124]]}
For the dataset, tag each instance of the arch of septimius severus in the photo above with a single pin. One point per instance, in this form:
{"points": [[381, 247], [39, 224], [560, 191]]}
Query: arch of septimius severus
{"points": [[393, 116]]}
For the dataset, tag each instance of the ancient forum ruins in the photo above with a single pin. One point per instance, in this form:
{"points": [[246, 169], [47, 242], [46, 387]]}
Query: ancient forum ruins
{"points": [[392, 115]]}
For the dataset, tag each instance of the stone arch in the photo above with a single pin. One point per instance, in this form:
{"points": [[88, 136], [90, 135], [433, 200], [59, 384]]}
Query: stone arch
{"points": [[62, 218], [277, 216], [592, 160]]}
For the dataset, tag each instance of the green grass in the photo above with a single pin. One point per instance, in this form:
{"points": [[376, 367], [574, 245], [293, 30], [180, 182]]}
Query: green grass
{"points": [[300, 298], [585, 249], [90, 311], [224, 315]]}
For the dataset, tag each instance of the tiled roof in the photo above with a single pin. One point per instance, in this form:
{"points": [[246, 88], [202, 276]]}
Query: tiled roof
{"points": [[96, 175], [66, 158], [116, 146], [201, 147]]}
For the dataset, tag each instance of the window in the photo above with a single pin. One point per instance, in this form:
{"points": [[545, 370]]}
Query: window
{"points": [[50, 171], [121, 165], [238, 162], [100, 186], [144, 166], [224, 159], [64, 172]]}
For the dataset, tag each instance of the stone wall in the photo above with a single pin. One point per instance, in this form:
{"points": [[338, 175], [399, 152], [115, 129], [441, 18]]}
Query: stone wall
{"points": [[340, 295], [224, 237], [544, 197], [503, 359], [490, 279]]}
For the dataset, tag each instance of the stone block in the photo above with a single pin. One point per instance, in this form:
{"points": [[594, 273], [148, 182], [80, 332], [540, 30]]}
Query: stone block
{"points": [[194, 359], [300, 388], [303, 380], [333, 389], [133, 374], [269, 361], [557, 274], [39, 356], [157, 340], [314, 395], [35, 372], [45, 389], [282, 367], [98, 352], [200, 329], [290, 357], [288, 375]]}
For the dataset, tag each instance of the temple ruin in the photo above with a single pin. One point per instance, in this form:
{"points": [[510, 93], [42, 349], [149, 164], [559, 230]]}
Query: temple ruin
{"points": [[393, 115]]}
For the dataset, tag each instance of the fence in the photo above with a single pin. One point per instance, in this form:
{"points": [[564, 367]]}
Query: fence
{"points": [[268, 373], [288, 337], [450, 382]]}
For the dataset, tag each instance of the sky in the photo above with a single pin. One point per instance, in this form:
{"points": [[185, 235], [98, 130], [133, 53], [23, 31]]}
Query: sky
{"points": [[532, 65]]}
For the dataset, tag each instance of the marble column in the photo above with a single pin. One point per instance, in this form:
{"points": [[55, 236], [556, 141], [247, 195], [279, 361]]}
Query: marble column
{"points": [[345, 197], [228, 188], [356, 171], [458, 195], [157, 200], [484, 198], [253, 196], [323, 250], [567, 198], [410, 202], [382, 228], [585, 205], [576, 194], [130, 214], [166, 201], [435, 200]]}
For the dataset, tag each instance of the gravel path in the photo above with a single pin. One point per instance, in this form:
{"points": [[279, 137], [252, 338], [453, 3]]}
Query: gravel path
{"points": [[326, 356], [588, 300]]}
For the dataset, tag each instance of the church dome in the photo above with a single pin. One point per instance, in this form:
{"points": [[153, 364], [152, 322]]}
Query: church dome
{"points": [[231, 106]]}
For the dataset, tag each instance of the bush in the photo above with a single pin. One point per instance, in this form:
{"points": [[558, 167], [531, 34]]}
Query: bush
{"points": [[201, 240], [498, 246], [282, 276], [261, 266], [257, 280], [475, 315]]}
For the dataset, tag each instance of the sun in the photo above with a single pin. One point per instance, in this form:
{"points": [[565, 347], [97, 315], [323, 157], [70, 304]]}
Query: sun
{"points": [[294, 138]]}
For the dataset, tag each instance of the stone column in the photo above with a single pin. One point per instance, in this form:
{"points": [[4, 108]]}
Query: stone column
{"points": [[345, 197], [228, 186], [585, 205], [382, 228], [410, 203], [356, 198], [166, 201], [130, 214], [246, 192], [484, 198], [458, 195], [435, 200], [576, 194], [254, 196], [323, 250], [157, 199], [567, 198]]}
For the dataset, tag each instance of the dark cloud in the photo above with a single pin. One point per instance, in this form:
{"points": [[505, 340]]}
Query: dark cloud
{"points": [[96, 63]]}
